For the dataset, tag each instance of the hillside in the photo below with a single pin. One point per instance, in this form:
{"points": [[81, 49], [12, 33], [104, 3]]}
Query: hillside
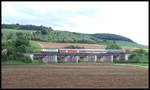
{"points": [[47, 34], [52, 36], [118, 39], [105, 36]]}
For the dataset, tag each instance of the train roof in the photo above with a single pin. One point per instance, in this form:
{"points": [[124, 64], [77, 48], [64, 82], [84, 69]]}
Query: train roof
{"points": [[84, 49]]}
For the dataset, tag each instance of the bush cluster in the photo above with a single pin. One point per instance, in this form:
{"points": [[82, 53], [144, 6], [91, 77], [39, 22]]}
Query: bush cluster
{"points": [[13, 50], [137, 56], [74, 47]]}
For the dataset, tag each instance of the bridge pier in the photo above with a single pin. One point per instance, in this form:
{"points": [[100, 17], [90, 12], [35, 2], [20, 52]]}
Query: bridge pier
{"points": [[70, 59], [55, 58], [117, 58], [127, 56], [65, 59], [73, 59], [122, 57], [91, 58], [95, 57], [83, 59], [77, 59], [111, 58], [49, 58], [106, 58]]}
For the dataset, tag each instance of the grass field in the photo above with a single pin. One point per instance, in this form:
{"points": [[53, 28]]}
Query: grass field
{"points": [[14, 31], [36, 62], [74, 76], [35, 47], [146, 65]]}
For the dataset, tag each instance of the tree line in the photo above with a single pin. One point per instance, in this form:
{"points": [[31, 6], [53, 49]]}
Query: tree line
{"points": [[113, 37], [25, 27]]}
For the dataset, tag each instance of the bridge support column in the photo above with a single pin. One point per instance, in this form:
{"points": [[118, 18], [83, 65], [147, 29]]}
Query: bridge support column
{"points": [[76, 59], [31, 56], [66, 58], [117, 58], [95, 58], [126, 56], [55, 58], [48, 58], [101, 59], [111, 58], [108, 58], [87, 58]]}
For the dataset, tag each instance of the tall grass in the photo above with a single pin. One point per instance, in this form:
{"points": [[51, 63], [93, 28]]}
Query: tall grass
{"points": [[17, 62], [13, 62]]}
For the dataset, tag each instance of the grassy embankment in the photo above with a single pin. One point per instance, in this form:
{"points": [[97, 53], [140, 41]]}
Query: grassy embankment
{"points": [[36, 62]]}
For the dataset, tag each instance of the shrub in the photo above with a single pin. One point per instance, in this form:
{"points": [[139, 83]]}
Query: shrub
{"points": [[23, 58], [113, 46], [74, 47], [123, 61]]}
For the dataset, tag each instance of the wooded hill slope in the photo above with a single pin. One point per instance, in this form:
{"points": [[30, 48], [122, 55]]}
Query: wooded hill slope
{"points": [[105, 36], [47, 34]]}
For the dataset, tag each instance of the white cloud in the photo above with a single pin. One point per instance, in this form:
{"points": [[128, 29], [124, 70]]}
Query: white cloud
{"points": [[129, 19]]}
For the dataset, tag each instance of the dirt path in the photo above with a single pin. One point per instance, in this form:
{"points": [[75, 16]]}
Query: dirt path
{"points": [[74, 76], [61, 45]]}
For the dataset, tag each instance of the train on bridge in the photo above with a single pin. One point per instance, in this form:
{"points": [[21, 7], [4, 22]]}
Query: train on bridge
{"points": [[81, 51], [80, 55]]}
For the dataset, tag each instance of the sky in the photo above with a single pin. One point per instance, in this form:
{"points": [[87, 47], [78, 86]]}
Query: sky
{"points": [[129, 19]]}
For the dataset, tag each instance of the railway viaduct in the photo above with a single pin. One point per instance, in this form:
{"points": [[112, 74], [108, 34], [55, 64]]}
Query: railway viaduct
{"points": [[54, 57]]}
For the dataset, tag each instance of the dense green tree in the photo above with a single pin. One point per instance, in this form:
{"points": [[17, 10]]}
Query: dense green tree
{"points": [[25, 27], [74, 47], [19, 34], [113, 46], [9, 36], [128, 51], [44, 32], [21, 48], [22, 41]]}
